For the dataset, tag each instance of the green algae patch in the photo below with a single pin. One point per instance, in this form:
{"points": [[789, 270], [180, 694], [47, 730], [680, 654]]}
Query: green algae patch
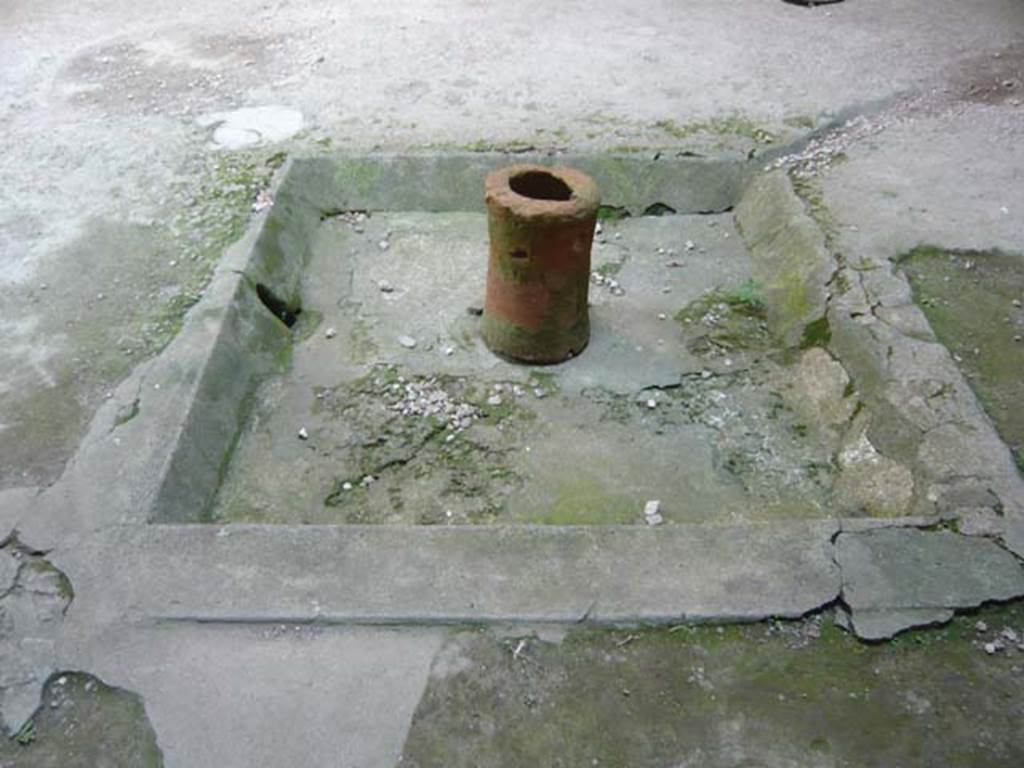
{"points": [[583, 499], [790, 693], [973, 301]]}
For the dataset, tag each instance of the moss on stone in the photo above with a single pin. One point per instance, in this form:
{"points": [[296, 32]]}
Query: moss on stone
{"points": [[787, 692], [726, 320], [968, 298], [731, 125], [93, 725]]}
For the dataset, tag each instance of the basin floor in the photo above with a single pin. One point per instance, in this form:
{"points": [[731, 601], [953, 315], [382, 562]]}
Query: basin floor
{"points": [[392, 410]]}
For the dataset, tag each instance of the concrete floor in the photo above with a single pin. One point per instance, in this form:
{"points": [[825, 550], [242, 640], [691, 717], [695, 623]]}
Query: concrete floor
{"points": [[116, 200]]}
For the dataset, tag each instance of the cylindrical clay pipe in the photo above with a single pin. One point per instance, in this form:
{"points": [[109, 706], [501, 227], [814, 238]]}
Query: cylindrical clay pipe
{"points": [[541, 222]]}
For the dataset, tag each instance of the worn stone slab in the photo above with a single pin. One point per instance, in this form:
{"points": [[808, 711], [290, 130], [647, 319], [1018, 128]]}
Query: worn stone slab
{"points": [[791, 262], [15, 505], [884, 624], [454, 181], [897, 578], [432, 575], [238, 697], [33, 598]]}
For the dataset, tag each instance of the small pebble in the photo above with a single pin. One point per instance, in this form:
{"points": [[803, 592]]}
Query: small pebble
{"points": [[346, 486], [993, 647], [383, 245], [447, 351], [652, 508], [303, 434], [407, 341], [652, 404], [981, 626], [494, 400], [539, 393], [1016, 302], [662, 316], [330, 333], [690, 245]]}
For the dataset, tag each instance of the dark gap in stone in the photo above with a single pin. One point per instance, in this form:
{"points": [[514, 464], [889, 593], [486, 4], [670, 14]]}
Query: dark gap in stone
{"points": [[658, 209], [278, 308]]}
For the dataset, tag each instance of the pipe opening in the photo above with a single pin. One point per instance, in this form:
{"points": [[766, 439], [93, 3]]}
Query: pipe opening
{"points": [[540, 185]]}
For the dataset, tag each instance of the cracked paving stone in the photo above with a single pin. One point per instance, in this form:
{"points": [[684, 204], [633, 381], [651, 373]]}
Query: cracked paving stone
{"points": [[31, 615], [898, 578], [9, 565]]}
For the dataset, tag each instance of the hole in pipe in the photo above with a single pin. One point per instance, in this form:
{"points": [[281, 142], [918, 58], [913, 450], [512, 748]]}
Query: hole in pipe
{"points": [[538, 185]]}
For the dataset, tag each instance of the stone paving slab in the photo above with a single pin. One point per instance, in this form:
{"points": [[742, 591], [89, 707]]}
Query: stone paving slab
{"points": [[436, 575], [241, 697], [896, 578]]}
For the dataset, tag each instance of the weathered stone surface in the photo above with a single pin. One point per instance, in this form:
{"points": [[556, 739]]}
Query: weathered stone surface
{"points": [[818, 390], [15, 505], [881, 625], [9, 566], [897, 578], [908, 320], [791, 262], [450, 182], [340, 697], [436, 574], [980, 521], [32, 608], [959, 450], [870, 483]]}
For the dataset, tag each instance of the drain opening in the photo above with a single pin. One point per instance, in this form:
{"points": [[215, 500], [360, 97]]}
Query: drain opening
{"points": [[277, 307], [539, 185]]}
